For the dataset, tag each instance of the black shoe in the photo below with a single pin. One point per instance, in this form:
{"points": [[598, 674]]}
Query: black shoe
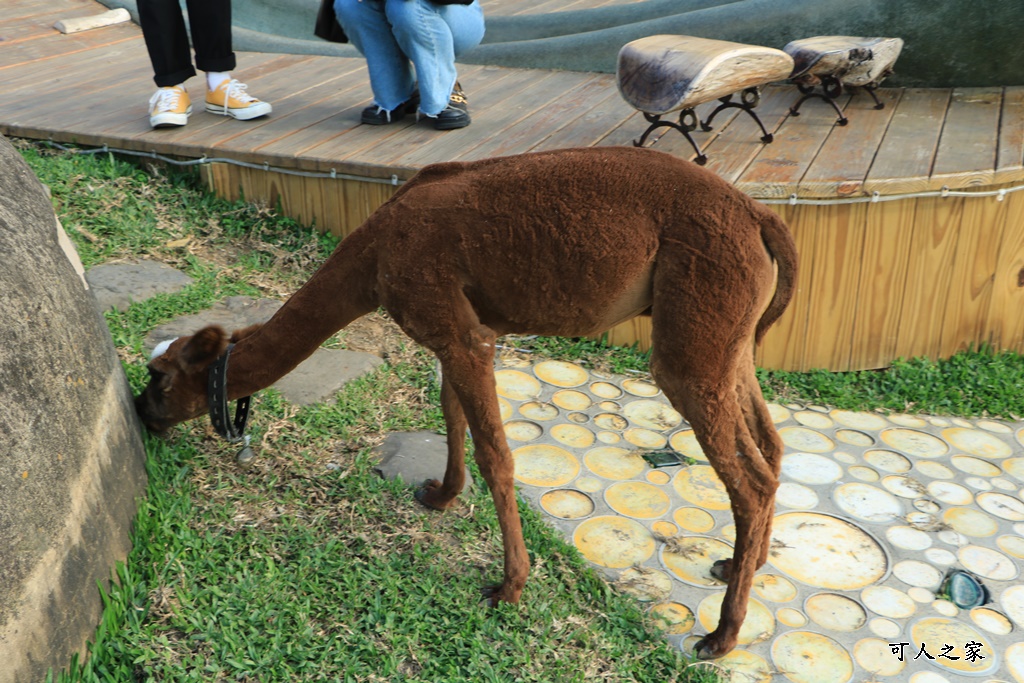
{"points": [[375, 116], [456, 114]]}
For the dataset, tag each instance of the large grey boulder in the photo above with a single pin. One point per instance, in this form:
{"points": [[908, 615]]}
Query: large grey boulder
{"points": [[71, 456]]}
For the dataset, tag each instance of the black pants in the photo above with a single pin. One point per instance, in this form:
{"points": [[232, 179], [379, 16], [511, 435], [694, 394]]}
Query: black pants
{"points": [[163, 27]]}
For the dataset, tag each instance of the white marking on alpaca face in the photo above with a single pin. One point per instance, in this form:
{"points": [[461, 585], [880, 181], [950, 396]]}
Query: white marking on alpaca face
{"points": [[161, 348]]}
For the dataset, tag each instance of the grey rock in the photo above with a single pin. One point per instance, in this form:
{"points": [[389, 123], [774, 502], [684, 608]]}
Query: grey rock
{"points": [[118, 285], [415, 457], [324, 373], [233, 313], [72, 462]]}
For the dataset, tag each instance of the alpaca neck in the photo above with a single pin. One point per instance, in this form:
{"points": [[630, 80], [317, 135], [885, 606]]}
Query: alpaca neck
{"points": [[342, 290]]}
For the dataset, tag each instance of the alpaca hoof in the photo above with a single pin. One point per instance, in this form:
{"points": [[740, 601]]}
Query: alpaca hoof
{"points": [[429, 496], [706, 649], [496, 594], [722, 570]]}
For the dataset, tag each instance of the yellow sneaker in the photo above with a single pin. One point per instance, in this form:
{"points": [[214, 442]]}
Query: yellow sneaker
{"points": [[169, 107], [230, 99]]}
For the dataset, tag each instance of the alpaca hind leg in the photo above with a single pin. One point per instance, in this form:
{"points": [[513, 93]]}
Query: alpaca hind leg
{"points": [[442, 495]]}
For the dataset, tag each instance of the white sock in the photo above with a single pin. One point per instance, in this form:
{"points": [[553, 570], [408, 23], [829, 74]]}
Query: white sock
{"points": [[215, 78]]}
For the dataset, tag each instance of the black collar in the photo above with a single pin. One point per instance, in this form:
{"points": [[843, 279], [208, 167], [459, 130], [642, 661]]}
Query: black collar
{"points": [[217, 396]]}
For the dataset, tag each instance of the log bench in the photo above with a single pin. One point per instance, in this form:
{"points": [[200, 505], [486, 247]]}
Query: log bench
{"points": [[662, 74], [835, 62]]}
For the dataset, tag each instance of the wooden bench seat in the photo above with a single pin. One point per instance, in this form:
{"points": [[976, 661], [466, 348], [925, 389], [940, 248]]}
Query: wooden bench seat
{"points": [[835, 62], [666, 73]]}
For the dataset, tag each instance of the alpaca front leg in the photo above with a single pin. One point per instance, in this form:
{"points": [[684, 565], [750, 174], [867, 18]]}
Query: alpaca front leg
{"points": [[443, 495]]}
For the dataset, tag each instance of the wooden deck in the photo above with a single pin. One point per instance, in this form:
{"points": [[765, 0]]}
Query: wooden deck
{"points": [[914, 276]]}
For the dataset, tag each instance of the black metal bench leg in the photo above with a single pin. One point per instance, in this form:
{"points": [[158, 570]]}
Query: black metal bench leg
{"points": [[870, 89], [749, 99], [832, 89], [683, 127]]}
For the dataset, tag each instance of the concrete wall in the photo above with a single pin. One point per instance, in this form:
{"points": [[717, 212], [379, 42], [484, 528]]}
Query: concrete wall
{"points": [[71, 456]]}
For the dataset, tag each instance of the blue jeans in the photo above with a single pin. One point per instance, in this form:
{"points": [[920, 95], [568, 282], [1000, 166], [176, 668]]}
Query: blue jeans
{"points": [[395, 35]]}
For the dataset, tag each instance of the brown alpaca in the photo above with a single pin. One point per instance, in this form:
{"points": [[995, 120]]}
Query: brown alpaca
{"points": [[567, 243]]}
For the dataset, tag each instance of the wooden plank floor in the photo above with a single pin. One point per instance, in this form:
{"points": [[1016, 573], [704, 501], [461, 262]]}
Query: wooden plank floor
{"points": [[92, 88]]}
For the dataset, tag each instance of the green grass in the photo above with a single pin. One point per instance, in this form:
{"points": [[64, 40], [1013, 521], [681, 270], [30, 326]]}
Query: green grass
{"points": [[307, 566]]}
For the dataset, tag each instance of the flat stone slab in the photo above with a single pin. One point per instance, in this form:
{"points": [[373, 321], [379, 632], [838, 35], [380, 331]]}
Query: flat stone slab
{"points": [[324, 373], [415, 457], [233, 313], [118, 285]]}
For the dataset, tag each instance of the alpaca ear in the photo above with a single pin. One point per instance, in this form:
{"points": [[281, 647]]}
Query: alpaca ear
{"points": [[239, 335], [204, 347]]}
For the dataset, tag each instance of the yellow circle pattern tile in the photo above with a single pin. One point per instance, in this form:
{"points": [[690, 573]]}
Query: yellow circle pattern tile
{"points": [[639, 387], [862, 473], [1004, 484], [790, 617], [589, 484], [778, 413], [694, 520], [994, 427], [884, 628], [1015, 661], [825, 551], [658, 477], [1012, 602], [520, 430], [854, 437], [690, 558], [544, 465], [813, 420], [869, 421], [932, 677], [578, 418], [806, 657], [803, 439], [950, 493], [645, 438], [645, 584], [665, 529], [759, 624], [987, 563], [674, 618], [567, 504], [845, 458], [835, 612], [888, 461], [535, 410], [504, 409], [610, 406], [922, 595], [685, 442], [614, 463], [605, 390], [572, 435], [569, 399], [608, 437], [975, 466], [808, 468], [796, 496], [991, 621], [700, 486], [908, 538], [904, 487], [614, 542], [876, 656], [940, 556], [981, 444], [516, 385], [935, 470], [637, 499], [1011, 545], [1002, 506], [888, 602], [561, 374], [918, 574], [611, 421], [866, 502], [970, 522], [937, 631], [729, 532], [913, 442], [653, 415], [978, 483], [774, 588], [740, 666], [912, 421]]}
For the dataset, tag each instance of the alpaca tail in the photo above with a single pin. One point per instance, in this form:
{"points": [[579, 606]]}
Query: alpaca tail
{"points": [[779, 242]]}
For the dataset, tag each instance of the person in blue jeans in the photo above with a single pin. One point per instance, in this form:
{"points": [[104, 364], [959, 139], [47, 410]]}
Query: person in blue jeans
{"points": [[397, 36]]}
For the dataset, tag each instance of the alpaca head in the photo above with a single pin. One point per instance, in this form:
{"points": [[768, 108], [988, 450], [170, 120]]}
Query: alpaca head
{"points": [[178, 374]]}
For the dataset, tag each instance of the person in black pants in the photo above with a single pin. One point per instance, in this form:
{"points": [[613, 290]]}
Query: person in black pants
{"points": [[163, 27]]}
